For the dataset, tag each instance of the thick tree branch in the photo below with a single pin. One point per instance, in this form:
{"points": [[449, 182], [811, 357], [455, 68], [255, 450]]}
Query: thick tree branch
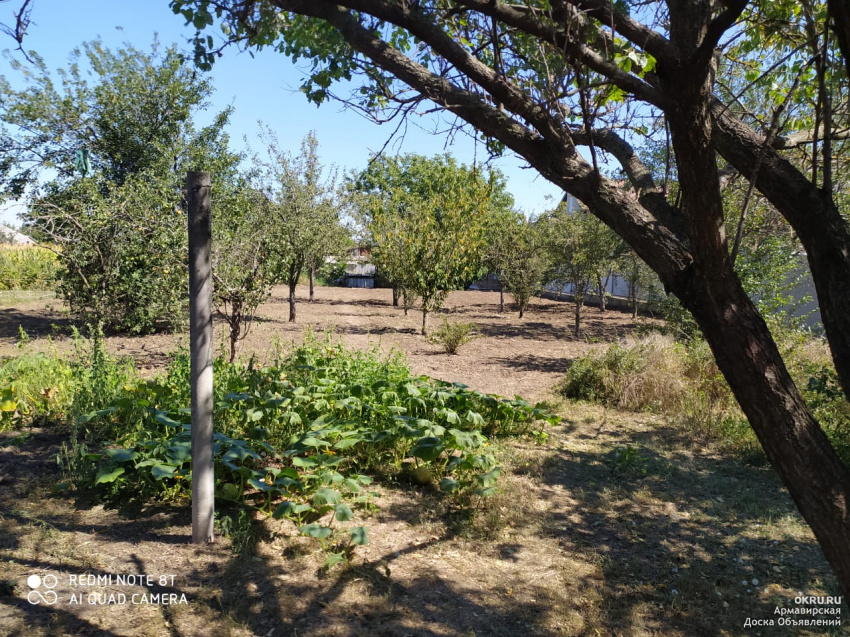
{"points": [[716, 28], [813, 215], [503, 91], [654, 241]]}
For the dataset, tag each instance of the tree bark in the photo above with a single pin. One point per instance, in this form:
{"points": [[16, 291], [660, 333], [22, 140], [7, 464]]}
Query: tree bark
{"points": [[395, 296], [312, 279], [601, 289], [577, 327], [293, 281], [424, 321], [502, 298], [812, 213]]}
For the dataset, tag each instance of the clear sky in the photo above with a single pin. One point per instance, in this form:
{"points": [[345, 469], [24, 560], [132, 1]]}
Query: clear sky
{"points": [[264, 87]]}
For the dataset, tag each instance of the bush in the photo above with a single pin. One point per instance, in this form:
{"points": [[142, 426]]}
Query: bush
{"points": [[659, 375], [452, 336], [294, 439], [34, 387], [644, 375], [27, 267]]}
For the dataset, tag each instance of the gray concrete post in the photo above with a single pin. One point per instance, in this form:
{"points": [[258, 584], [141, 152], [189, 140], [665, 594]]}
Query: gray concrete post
{"points": [[201, 355]]}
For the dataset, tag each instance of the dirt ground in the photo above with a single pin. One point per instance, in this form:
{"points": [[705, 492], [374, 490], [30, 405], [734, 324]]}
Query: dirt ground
{"points": [[512, 356], [621, 524]]}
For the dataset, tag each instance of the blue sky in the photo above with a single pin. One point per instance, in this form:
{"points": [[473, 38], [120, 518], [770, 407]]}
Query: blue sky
{"points": [[264, 87]]}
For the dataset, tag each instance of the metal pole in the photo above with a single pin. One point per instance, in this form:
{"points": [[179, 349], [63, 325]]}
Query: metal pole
{"points": [[200, 348]]}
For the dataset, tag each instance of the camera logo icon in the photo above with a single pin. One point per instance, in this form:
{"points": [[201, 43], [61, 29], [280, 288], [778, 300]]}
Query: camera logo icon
{"points": [[42, 589]]}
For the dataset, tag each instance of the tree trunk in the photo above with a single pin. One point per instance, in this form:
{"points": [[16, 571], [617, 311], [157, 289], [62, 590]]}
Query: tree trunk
{"points": [[395, 296], [521, 310], [577, 327], [502, 298], [794, 443], [424, 321], [234, 337], [601, 289], [292, 284], [312, 279]]}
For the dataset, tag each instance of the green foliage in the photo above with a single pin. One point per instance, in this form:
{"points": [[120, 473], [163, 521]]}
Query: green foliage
{"points": [[683, 381], [118, 228], [27, 267], [427, 218], [452, 336], [516, 250], [296, 439], [582, 250], [36, 387], [302, 220]]}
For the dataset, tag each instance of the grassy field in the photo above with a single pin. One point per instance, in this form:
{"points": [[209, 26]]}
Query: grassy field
{"points": [[620, 524]]}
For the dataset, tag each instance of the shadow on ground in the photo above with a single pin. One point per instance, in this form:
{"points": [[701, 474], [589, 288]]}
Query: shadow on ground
{"points": [[679, 538]]}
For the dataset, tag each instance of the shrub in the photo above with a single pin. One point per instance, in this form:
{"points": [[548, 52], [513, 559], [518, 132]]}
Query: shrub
{"points": [[294, 439], [644, 375], [657, 374], [34, 387], [452, 336]]}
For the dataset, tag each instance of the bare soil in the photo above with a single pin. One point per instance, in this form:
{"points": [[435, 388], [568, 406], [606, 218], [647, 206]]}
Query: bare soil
{"points": [[622, 524]]}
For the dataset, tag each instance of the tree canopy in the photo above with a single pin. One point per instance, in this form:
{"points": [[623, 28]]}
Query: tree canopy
{"points": [[427, 217]]}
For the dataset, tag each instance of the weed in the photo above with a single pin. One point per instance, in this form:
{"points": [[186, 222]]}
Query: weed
{"points": [[452, 336]]}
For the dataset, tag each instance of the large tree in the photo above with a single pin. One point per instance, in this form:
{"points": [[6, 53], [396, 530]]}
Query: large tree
{"points": [[542, 78]]}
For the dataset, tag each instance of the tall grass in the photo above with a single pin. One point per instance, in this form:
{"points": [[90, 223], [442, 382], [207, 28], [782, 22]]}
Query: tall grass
{"points": [[657, 374], [27, 267]]}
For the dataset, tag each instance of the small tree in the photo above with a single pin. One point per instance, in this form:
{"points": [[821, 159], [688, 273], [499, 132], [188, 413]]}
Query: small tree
{"points": [[243, 273], [639, 277], [524, 261], [303, 224], [579, 246], [102, 156], [428, 218]]}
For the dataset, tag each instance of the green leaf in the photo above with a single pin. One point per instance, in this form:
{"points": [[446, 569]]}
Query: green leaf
{"points": [[162, 418], [311, 441], [351, 485], [325, 496], [161, 471], [427, 449], [359, 536], [449, 485], [488, 479], [343, 512], [316, 530], [109, 475], [345, 443], [287, 509], [121, 455], [486, 493], [262, 485], [332, 560]]}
